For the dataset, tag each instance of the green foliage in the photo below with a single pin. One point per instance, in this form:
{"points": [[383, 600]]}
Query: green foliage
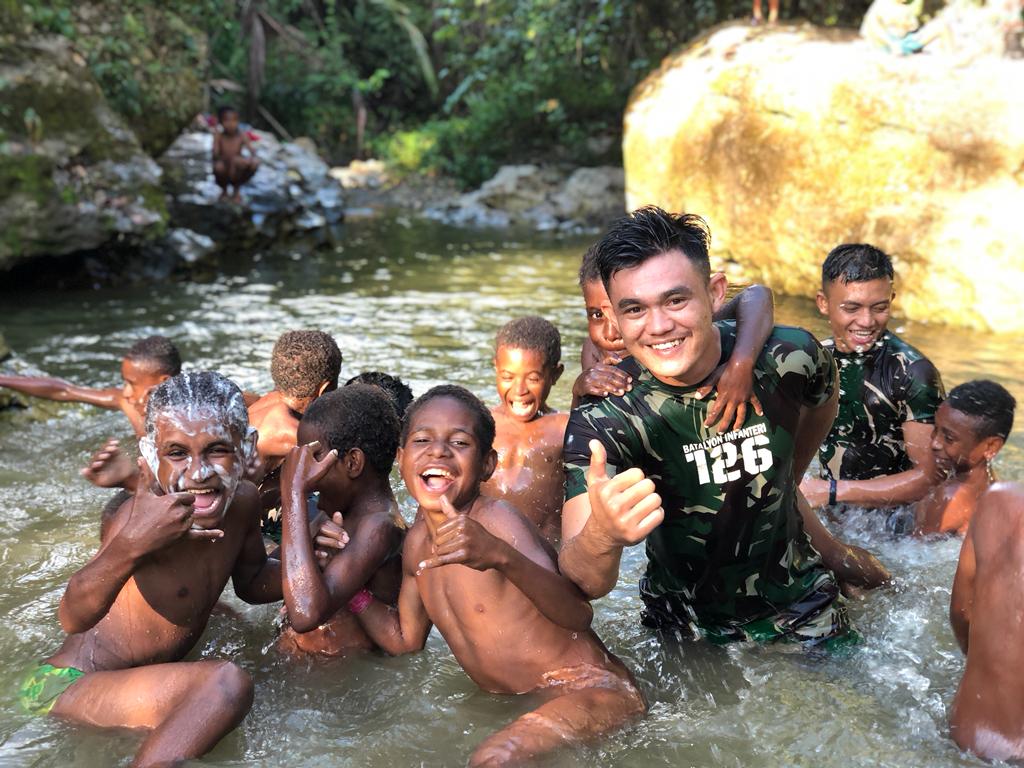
{"points": [[451, 86]]}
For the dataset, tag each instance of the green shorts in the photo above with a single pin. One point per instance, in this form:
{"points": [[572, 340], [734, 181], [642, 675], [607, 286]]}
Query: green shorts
{"points": [[44, 685]]}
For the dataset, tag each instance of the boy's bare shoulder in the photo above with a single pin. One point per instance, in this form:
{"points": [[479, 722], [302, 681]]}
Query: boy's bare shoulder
{"points": [[245, 505], [498, 515], [999, 512], [555, 423]]}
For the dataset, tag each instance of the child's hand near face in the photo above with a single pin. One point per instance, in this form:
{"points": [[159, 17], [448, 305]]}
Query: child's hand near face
{"points": [[158, 519], [462, 540], [302, 471]]}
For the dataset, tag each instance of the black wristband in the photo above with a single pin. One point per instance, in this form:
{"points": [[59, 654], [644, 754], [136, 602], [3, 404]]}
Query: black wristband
{"points": [[832, 487]]}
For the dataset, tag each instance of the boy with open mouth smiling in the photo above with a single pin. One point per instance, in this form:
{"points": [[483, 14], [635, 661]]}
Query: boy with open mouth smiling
{"points": [[482, 573], [141, 603], [528, 438]]}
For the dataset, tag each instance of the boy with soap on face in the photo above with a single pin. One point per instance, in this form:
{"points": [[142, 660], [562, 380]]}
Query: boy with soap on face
{"points": [[140, 604]]}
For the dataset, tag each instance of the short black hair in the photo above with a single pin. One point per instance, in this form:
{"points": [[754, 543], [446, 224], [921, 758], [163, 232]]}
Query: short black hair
{"points": [[302, 361], [989, 403], [399, 391], [589, 271], [855, 263], [533, 333], [223, 109], [648, 232], [156, 352], [357, 416], [483, 422]]}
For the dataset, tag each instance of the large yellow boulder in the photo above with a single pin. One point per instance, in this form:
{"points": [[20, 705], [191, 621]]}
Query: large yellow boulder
{"points": [[793, 140]]}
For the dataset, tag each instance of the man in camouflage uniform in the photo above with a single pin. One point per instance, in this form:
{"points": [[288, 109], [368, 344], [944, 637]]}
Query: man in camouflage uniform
{"points": [[878, 451], [730, 553]]}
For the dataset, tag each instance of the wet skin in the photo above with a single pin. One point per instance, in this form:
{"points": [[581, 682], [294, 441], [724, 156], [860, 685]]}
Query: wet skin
{"points": [[482, 573], [958, 451], [316, 602], [987, 615], [140, 376], [528, 439], [275, 416], [143, 600], [857, 313]]}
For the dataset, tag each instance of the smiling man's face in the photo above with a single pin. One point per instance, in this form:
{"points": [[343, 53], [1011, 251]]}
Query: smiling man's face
{"points": [[663, 308]]}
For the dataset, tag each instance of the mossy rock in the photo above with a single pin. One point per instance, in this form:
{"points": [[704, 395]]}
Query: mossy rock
{"points": [[150, 65], [72, 174]]}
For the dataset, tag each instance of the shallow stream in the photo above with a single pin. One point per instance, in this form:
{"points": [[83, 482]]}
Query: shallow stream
{"points": [[424, 301]]}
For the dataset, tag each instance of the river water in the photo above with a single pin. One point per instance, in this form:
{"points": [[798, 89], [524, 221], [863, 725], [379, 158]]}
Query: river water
{"points": [[424, 301]]}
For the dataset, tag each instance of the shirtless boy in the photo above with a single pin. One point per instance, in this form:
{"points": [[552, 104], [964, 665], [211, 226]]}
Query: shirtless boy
{"points": [[147, 363], [230, 166], [303, 365], [970, 428], [141, 603], [604, 349], [986, 610], [347, 445], [527, 360], [483, 574]]}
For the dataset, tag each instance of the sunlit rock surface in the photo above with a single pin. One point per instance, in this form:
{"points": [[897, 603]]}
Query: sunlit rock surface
{"points": [[790, 141], [72, 174]]}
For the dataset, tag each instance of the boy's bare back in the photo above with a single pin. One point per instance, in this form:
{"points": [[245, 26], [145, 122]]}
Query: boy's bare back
{"points": [[529, 475], [987, 614]]}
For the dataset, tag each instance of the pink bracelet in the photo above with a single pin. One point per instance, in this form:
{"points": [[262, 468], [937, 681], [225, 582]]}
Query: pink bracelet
{"points": [[360, 601]]}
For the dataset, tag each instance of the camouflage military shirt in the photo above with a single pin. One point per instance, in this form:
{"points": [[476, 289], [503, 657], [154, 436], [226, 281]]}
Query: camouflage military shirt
{"points": [[878, 390], [731, 559]]}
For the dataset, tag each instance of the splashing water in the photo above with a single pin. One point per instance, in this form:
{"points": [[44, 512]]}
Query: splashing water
{"points": [[424, 302]]}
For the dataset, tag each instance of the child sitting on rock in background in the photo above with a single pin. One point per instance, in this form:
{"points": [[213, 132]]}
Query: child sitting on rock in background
{"points": [[230, 166], [970, 428]]}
